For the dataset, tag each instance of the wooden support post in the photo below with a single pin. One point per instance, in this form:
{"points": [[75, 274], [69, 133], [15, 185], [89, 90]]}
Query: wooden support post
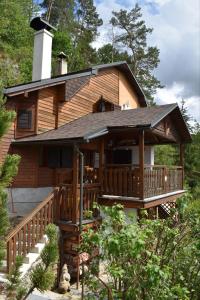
{"points": [[141, 163], [101, 164], [75, 186], [181, 148]]}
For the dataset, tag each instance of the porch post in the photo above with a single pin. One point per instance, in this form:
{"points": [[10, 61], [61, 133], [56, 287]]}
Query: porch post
{"points": [[181, 152], [101, 163], [141, 162], [75, 185]]}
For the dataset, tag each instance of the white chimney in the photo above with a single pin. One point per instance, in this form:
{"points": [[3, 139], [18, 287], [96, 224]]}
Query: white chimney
{"points": [[42, 49], [62, 63]]}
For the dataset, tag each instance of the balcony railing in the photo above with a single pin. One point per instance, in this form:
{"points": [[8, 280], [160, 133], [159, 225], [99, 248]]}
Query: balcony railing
{"points": [[125, 180], [121, 180], [162, 179], [67, 209]]}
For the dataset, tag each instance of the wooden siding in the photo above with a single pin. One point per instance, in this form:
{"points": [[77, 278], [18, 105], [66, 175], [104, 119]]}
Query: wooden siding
{"points": [[28, 167], [47, 101], [46, 176], [105, 84], [127, 96], [167, 129], [28, 103], [5, 143], [16, 103]]}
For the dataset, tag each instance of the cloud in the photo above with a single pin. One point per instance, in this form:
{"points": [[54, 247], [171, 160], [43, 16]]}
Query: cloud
{"points": [[175, 94], [176, 25]]}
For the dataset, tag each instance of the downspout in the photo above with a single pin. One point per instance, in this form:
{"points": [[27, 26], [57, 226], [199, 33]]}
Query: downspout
{"points": [[81, 188]]}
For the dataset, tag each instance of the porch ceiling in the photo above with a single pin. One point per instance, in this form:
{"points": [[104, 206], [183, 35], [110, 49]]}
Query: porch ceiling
{"points": [[95, 125]]}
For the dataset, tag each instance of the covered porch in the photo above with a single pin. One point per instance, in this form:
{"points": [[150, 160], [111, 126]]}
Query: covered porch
{"points": [[111, 155]]}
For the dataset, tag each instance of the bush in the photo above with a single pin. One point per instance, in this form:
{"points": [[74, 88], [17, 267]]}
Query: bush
{"points": [[153, 259]]}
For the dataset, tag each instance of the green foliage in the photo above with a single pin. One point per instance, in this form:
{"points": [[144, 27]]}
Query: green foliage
{"points": [[41, 278], [153, 259], [132, 36], [77, 22], [49, 254], [8, 169], [166, 155], [13, 287], [108, 54], [16, 41]]}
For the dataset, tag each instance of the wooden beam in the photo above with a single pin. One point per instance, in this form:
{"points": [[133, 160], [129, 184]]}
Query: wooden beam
{"points": [[141, 163], [75, 185], [101, 162]]}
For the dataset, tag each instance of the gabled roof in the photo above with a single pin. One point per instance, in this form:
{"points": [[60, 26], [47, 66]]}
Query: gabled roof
{"points": [[97, 124], [36, 85]]}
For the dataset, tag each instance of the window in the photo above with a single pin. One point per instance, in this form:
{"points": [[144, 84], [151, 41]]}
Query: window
{"points": [[57, 157], [122, 156], [24, 119]]}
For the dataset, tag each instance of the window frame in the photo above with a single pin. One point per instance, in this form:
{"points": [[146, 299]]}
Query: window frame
{"points": [[29, 113]]}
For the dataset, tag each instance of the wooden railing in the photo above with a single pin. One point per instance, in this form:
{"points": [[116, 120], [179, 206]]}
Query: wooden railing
{"points": [[121, 180], [162, 179], [30, 230], [67, 209], [124, 180]]}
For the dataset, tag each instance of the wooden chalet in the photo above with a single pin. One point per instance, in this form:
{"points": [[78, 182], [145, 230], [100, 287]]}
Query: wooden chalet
{"points": [[89, 135]]}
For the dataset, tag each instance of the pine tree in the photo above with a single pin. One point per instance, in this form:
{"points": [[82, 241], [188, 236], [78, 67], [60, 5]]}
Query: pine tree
{"points": [[132, 36], [108, 54], [77, 22]]}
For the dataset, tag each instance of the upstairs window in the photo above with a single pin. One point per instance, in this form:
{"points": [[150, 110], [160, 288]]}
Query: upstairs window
{"points": [[24, 119]]}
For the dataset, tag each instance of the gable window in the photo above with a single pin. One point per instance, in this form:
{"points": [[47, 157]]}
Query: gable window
{"points": [[24, 119]]}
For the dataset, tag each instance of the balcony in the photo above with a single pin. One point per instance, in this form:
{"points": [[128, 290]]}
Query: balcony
{"points": [[125, 180]]}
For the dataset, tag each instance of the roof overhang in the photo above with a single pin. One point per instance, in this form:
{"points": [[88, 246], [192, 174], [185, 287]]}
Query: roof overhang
{"points": [[61, 79]]}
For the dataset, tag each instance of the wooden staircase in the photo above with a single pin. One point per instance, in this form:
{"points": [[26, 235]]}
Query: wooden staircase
{"points": [[29, 235], [27, 238]]}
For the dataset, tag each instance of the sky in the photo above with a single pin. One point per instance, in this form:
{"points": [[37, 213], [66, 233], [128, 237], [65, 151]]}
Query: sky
{"points": [[176, 33]]}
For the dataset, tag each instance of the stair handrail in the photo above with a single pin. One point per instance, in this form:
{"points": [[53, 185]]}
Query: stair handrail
{"points": [[17, 242], [26, 219]]}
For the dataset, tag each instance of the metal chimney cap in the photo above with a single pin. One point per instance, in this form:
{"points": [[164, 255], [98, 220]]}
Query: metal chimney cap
{"points": [[38, 24], [62, 55]]}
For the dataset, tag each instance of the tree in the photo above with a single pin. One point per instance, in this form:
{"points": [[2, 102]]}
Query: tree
{"points": [[132, 36], [186, 116], [77, 23], [16, 38], [152, 259], [166, 155], [108, 54]]}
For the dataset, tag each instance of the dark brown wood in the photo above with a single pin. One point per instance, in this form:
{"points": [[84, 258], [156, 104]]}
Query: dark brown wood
{"points": [[75, 185], [141, 163], [101, 162]]}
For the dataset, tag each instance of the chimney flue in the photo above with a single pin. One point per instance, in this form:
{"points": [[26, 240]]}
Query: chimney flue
{"points": [[42, 49], [62, 63]]}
